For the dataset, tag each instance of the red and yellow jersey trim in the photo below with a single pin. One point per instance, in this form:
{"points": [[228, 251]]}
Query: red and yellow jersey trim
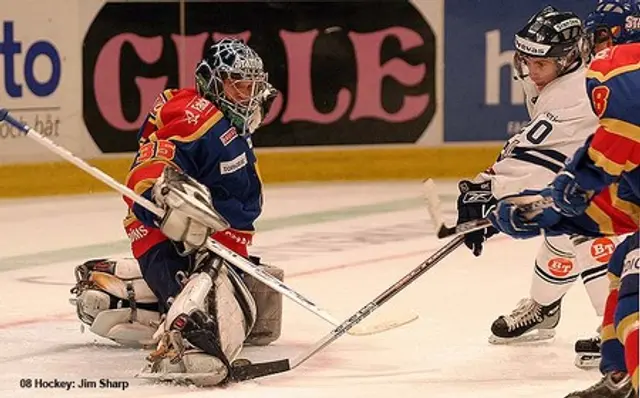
{"points": [[197, 134], [129, 219], [613, 215], [626, 326], [615, 147], [608, 331], [144, 175], [151, 168], [155, 116], [603, 75], [614, 61], [621, 128], [182, 116]]}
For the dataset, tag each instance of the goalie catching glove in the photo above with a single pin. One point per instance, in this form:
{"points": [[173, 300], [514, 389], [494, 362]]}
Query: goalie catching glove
{"points": [[189, 214]]}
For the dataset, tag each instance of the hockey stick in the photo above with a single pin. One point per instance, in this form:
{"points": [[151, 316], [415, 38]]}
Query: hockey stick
{"points": [[212, 245], [252, 371], [442, 231]]}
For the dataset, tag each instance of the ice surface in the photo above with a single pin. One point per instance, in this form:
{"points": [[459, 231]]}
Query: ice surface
{"points": [[341, 245]]}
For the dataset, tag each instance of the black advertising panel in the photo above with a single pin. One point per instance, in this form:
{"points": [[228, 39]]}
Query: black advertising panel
{"points": [[349, 73]]}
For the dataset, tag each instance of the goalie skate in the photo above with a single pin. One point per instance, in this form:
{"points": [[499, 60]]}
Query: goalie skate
{"points": [[175, 363], [588, 353], [529, 322]]}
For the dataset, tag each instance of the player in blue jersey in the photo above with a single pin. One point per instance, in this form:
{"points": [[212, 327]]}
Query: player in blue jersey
{"points": [[196, 161]]}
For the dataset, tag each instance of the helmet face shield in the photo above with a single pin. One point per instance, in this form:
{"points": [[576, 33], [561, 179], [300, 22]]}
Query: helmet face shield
{"points": [[232, 76], [538, 70], [520, 65], [242, 95]]}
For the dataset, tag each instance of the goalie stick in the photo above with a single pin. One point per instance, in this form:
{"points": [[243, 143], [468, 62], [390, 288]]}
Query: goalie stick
{"points": [[253, 371], [443, 231], [215, 247]]}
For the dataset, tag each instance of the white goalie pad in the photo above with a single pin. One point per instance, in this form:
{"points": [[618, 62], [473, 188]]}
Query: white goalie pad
{"points": [[195, 368], [117, 325], [219, 300], [222, 311], [268, 325], [107, 298], [124, 289]]}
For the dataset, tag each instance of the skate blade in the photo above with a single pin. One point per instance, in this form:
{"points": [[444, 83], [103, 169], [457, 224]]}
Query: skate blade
{"points": [[533, 336], [195, 379], [588, 361]]}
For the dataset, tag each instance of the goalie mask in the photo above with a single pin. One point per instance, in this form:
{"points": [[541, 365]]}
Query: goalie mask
{"points": [[549, 34], [232, 76]]}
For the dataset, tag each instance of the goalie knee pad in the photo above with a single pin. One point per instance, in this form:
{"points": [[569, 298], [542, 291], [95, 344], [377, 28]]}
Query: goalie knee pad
{"points": [[269, 306], [113, 299]]}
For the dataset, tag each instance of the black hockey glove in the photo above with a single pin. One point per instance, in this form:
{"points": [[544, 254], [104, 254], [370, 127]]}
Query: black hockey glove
{"points": [[475, 201]]}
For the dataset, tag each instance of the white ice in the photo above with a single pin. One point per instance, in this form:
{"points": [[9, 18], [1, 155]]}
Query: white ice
{"points": [[341, 245]]}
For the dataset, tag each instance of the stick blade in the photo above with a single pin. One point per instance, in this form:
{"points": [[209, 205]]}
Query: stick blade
{"points": [[367, 330], [434, 206], [445, 232], [255, 370]]}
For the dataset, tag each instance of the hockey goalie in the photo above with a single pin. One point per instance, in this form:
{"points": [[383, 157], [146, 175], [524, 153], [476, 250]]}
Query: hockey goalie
{"points": [[196, 162]]}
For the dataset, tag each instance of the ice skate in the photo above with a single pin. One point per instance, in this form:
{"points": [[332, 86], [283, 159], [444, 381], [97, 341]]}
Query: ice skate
{"points": [[588, 353], [612, 385], [530, 321]]}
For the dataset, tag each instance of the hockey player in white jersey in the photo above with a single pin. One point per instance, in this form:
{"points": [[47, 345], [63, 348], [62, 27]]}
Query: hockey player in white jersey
{"points": [[549, 63]]}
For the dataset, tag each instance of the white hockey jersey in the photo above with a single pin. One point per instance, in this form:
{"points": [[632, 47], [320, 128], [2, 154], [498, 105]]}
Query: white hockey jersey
{"points": [[561, 121]]}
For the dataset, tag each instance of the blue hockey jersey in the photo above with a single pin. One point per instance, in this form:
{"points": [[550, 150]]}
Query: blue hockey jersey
{"points": [[186, 131]]}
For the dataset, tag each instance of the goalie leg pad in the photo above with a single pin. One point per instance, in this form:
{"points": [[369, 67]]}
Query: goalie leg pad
{"points": [[268, 326], [210, 313], [113, 299], [117, 325]]}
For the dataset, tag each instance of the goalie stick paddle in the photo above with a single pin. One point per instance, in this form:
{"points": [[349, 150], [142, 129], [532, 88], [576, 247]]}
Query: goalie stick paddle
{"points": [[211, 244], [442, 231], [252, 371]]}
